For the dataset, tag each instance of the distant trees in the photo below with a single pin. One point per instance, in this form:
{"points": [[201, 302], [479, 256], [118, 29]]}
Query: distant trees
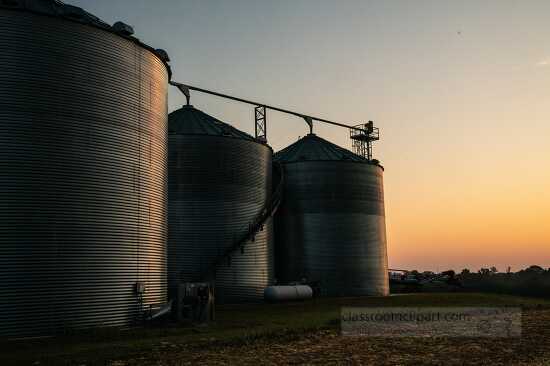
{"points": [[531, 281], [487, 271], [484, 271], [534, 270]]}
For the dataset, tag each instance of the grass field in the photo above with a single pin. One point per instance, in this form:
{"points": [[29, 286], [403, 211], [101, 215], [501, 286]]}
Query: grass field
{"points": [[295, 333]]}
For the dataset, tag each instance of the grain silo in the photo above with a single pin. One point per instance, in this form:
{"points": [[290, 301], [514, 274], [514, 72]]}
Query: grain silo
{"points": [[219, 227], [83, 173], [330, 227]]}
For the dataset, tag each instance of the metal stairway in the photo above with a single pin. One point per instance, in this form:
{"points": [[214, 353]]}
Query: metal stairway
{"points": [[254, 227]]}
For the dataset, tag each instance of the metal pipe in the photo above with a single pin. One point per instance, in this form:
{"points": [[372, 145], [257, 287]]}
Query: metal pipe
{"points": [[162, 311], [182, 87]]}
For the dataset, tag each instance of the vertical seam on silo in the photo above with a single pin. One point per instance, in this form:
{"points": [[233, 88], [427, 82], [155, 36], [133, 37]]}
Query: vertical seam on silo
{"points": [[139, 164]]}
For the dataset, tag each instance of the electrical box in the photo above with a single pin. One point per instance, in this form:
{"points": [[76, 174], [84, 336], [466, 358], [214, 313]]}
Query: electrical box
{"points": [[140, 288]]}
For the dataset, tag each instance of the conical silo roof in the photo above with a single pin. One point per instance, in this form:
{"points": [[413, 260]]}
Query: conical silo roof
{"points": [[314, 148], [191, 121]]}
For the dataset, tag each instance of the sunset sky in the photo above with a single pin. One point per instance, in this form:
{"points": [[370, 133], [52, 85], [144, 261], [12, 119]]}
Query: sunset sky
{"points": [[459, 89]]}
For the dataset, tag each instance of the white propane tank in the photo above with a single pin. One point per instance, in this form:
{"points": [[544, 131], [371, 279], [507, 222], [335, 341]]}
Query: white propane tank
{"points": [[287, 293]]}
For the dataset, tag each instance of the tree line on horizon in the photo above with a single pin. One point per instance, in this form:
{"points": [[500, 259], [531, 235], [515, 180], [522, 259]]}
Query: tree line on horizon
{"points": [[531, 281]]}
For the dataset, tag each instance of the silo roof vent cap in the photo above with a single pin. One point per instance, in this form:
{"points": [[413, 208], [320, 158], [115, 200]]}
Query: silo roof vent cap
{"points": [[123, 29], [162, 54]]}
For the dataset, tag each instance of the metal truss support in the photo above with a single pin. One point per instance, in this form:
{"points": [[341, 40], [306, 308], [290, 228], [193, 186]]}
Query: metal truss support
{"points": [[261, 122]]}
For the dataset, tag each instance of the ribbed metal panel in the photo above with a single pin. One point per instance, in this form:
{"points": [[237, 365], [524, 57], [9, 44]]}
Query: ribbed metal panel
{"points": [[331, 227], [249, 271], [217, 186], [83, 175]]}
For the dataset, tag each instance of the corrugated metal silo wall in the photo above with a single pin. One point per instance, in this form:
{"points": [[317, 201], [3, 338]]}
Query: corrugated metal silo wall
{"points": [[331, 228], [217, 186], [83, 175]]}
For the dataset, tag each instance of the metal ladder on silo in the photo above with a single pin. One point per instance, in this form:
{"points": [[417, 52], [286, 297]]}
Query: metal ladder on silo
{"points": [[254, 227]]}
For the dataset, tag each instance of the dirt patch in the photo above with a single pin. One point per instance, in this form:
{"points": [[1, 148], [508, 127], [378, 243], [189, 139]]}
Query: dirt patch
{"points": [[328, 347], [294, 333]]}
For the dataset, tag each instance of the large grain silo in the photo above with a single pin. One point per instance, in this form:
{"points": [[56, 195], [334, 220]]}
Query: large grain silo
{"points": [[330, 227], [83, 173], [219, 194]]}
